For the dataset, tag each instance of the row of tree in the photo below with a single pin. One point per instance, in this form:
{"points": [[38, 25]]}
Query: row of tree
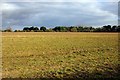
{"points": [[105, 28]]}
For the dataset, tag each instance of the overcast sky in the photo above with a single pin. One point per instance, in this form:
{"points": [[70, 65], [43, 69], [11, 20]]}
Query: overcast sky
{"points": [[17, 14]]}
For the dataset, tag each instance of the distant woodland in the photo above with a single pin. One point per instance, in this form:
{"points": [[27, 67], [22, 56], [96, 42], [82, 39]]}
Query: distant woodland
{"points": [[106, 28]]}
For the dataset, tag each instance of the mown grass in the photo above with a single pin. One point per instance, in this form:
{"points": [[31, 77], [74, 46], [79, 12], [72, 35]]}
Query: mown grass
{"points": [[60, 55]]}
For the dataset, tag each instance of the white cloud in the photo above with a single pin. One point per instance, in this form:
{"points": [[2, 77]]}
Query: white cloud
{"points": [[8, 6]]}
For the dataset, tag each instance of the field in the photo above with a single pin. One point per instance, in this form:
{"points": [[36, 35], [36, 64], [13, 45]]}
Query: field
{"points": [[59, 55]]}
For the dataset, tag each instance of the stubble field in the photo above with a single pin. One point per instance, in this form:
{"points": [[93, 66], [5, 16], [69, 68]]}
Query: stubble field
{"points": [[59, 55]]}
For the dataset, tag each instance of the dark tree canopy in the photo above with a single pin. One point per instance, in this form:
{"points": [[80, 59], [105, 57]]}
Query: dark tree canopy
{"points": [[27, 29], [43, 28]]}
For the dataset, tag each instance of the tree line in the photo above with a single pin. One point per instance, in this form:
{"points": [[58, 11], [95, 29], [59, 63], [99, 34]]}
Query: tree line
{"points": [[106, 28]]}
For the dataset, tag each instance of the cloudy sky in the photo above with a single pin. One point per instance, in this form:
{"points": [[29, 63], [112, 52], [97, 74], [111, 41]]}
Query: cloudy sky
{"points": [[17, 14]]}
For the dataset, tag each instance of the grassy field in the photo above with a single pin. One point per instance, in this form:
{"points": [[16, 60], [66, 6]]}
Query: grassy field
{"points": [[59, 55]]}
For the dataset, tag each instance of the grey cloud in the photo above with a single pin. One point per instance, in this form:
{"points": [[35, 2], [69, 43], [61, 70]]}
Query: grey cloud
{"points": [[56, 13], [60, 1], [112, 7]]}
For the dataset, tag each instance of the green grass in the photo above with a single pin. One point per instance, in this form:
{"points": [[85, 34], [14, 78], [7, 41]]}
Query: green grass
{"points": [[60, 55]]}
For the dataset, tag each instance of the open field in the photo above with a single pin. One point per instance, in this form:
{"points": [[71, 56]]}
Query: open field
{"points": [[60, 55]]}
